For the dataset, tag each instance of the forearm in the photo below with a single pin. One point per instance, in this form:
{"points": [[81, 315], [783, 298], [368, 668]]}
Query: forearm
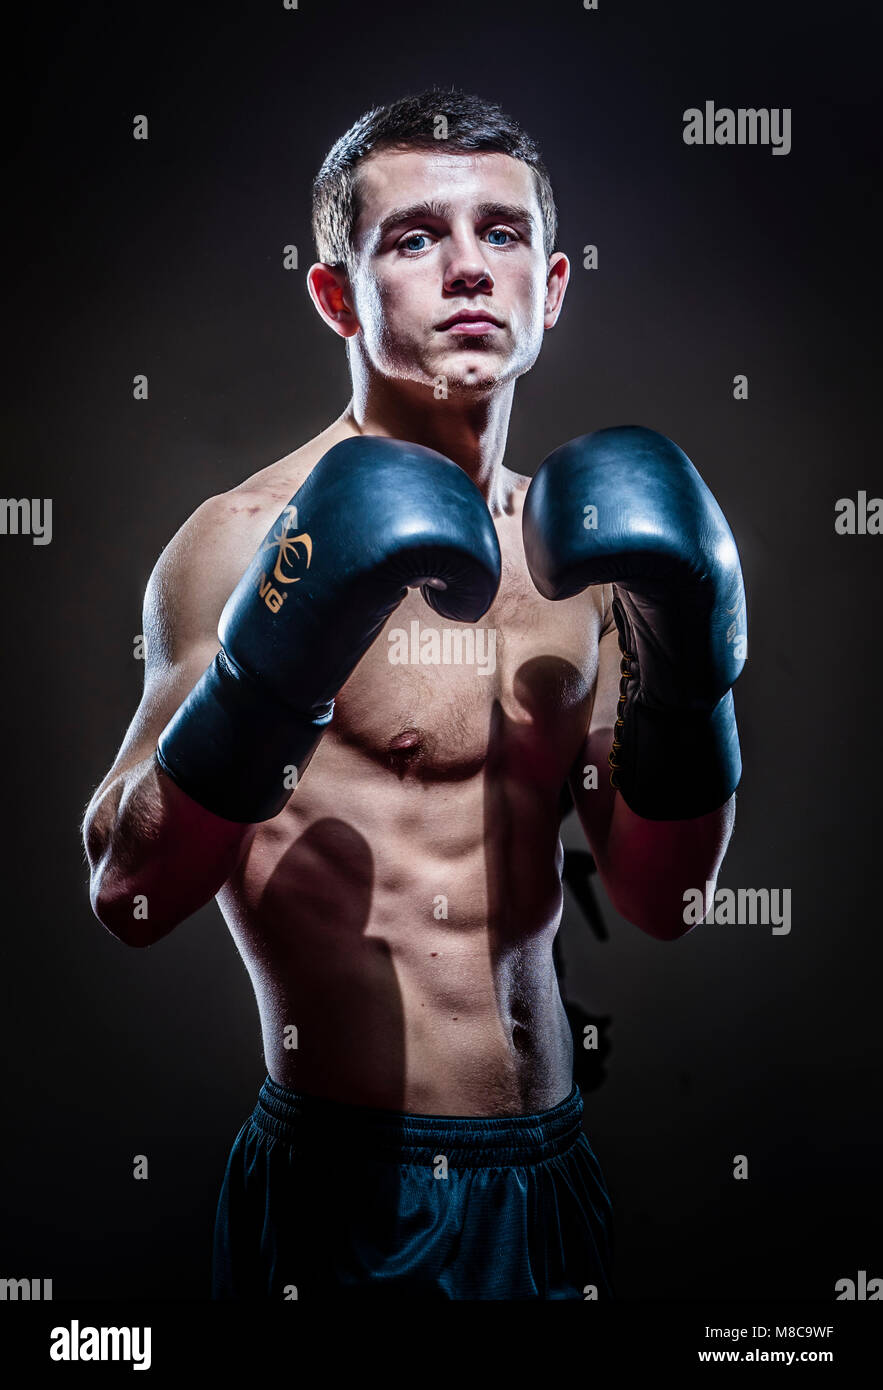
{"points": [[657, 535], [647, 865], [155, 856]]}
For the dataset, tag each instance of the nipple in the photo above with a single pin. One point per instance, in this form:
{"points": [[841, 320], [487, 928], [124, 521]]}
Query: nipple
{"points": [[407, 739], [404, 752]]}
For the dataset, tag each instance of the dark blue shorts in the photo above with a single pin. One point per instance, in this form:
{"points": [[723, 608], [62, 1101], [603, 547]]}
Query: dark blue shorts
{"points": [[325, 1200]]}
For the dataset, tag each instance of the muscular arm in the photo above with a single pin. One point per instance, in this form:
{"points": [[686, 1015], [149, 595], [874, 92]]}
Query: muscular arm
{"points": [[645, 865], [230, 735], [142, 834]]}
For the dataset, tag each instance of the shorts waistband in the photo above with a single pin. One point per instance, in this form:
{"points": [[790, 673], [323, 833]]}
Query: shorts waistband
{"points": [[314, 1123]]}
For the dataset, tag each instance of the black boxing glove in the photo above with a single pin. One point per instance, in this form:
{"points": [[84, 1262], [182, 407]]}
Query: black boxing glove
{"points": [[679, 604], [375, 517]]}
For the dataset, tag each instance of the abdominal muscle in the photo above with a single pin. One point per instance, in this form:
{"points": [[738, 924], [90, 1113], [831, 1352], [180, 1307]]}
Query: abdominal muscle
{"points": [[397, 925]]}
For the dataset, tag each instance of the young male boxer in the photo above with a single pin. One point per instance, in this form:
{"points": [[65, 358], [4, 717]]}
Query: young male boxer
{"points": [[418, 648]]}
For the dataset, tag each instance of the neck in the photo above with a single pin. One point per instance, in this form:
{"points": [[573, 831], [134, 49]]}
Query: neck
{"points": [[470, 432]]}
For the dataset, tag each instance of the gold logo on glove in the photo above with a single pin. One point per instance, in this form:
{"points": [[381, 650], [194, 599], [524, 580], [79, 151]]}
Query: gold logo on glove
{"points": [[289, 547]]}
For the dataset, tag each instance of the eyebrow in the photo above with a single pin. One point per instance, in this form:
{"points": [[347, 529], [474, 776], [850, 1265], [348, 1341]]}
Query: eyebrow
{"points": [[441, 212]]}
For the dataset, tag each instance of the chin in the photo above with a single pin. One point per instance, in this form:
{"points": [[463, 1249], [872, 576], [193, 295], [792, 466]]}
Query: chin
{"points": [[467, 384], [482, 372]]}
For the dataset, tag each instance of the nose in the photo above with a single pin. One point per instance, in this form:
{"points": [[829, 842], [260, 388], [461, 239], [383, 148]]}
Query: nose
{"points": [[466, 268]]}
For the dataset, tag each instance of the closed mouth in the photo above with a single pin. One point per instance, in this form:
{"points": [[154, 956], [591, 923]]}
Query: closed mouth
{"points": [[470, 318]]}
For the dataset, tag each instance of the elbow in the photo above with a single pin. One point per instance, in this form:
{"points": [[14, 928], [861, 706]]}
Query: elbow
{"points": [[660, 925], [664, 921], [665, 928], [118, 899], [126, 915]]}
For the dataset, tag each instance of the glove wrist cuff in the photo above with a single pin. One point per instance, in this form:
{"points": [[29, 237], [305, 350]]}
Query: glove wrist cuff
{"points": [[233, 749], [674, 765]]}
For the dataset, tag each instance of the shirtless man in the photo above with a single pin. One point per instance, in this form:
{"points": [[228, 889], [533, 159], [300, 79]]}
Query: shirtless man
{"points": [[383, 838]]}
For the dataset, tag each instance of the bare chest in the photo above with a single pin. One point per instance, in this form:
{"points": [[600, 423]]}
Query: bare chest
{"points": [[438, 701]]}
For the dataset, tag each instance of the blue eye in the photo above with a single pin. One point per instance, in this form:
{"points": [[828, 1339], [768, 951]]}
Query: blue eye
{"points": [[499, 231], [415, 236]]}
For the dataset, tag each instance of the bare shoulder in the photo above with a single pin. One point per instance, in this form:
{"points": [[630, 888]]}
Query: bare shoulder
{"points": [[280, 480], [203, 562]]}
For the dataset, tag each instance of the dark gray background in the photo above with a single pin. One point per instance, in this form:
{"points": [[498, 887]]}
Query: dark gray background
{"points": [[165, 258]]}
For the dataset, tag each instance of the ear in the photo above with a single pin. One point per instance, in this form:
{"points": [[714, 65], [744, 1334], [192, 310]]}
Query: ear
{"points": [[557, 277], [330, 291]]}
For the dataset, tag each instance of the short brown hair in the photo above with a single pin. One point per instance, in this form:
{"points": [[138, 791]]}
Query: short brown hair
{"points": [[472, 124]]}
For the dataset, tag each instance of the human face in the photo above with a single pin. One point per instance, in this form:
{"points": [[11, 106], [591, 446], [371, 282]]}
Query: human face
{"points": [[445, 233]]}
